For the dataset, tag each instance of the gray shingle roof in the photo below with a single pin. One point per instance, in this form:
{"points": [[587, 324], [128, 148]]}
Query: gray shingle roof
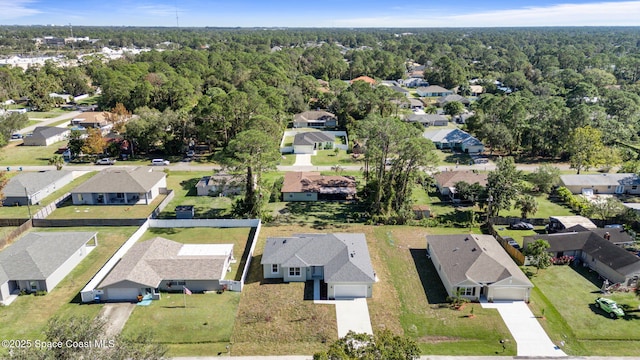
{"points": [[149, 262], [345, 257], [312, 137], [32, 181], [476, 257], [37, 255], [313, 116], [139, 180], [593, 244], [426, 118], [48, 131]]}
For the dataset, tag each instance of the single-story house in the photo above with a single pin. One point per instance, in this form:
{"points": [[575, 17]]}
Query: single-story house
{"points": [[163, 265], [591, 248], [93, 119], [366, 79], [622, 183], [428, 119], [416, 104], [46, 135], [433, 91], [443, 100], [559, 223], [475, 266], [121, 187], [454, 139], [315, 119], [446, 180], [30, 188], [220, 184], [40, 260], [340, 260], [414, 81], [615, 235], [311, 186], [65, 97], [309, 142], [476, 90], [400, 90]]}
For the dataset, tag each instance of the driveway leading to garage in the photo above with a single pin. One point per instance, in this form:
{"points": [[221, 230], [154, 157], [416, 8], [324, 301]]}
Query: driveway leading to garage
{"points": [[353, 315], [303, 160], [116, 315], [531, 340]]}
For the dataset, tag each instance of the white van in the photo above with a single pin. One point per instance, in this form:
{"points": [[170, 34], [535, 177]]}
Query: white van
{"points": [[159, 162]]}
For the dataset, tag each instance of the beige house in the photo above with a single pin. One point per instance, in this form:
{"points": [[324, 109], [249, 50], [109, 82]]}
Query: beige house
{"points": [[594, 184], [476, 266], [46, 135], [447, 180], [315, 119]]}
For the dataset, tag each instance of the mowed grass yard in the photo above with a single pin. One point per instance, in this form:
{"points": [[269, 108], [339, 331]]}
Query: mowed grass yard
{"points": [[183, 184], [204, 327], [329, 158], [27, 316], [16, 154], [69, 211], [274, 317], [567, 295]]}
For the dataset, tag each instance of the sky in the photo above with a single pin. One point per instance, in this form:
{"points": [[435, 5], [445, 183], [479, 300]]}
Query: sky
{"points": [[322, 13]]}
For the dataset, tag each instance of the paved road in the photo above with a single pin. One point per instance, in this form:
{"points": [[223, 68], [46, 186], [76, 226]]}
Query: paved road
{"points": [[45, 122]]}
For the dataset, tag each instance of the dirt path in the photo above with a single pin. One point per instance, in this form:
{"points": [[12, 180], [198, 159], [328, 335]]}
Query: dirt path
{"points": [[116, 315]]}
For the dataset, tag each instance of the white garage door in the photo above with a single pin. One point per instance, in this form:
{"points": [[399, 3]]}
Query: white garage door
{"points": [[122, 294], [510, 293], [350, 291]]}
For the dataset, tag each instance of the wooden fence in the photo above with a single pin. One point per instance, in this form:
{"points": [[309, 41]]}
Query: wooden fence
{"points": [[7, 240], [515, 254]]}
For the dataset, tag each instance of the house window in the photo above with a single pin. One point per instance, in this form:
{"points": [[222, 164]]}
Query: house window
{"points": [[179, 283], [634, 187], [274, 268], [33, 285], [467, 291], [290, 195], [294, 271], [120, 195], [80, 197], [308, 194]]}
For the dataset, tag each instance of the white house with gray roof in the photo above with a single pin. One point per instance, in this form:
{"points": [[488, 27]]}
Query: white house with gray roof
{"points": [[31, 187], [592, 184], [341, 260], [40, 260], [475, 266], [121, 187], [315, 119], [46, 135], [163, 265], [309, 142]]}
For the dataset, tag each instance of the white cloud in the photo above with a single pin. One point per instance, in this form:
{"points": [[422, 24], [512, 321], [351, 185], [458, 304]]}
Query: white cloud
{"points": [[13, 9], [620, 13]]}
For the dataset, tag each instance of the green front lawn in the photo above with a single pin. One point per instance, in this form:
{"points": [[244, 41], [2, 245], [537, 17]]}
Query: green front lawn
{"points": [[546, 208], [287, 160], [45, 114], [329, 158], [16, 154], [26, 317], [206, 322], [567, 295]]}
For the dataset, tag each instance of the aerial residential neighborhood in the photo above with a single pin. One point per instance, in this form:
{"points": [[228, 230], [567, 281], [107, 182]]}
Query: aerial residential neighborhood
{"points": [[280, 192]]}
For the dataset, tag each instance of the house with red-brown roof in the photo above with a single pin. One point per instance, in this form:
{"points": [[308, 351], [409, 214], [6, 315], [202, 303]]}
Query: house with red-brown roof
{"points": [[366, 79], [311, 186]]}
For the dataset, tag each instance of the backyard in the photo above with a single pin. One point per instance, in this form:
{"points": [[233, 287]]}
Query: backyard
{"points": [[329, 158], [16, 154], [565, 295], [70, 211], [33, 312]]}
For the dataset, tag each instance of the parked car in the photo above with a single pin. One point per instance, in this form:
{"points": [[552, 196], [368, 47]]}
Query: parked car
{"points": [[159, 162], [614, 226], [610, 307], [191, 153], [512, 242], [521, 226], [16, 136], [105, 161]]}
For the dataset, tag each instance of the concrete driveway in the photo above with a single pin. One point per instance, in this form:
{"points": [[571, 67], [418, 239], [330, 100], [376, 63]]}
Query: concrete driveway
{"points": [[531, 340], [353, 315], [303, 160], [116, 315]]}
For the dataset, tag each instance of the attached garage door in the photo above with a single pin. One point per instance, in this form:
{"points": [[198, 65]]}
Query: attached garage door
{"points": [[510, 293], [122, 293], [350, 291]]}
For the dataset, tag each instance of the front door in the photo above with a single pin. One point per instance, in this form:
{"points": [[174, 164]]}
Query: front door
{"points": [[316, 271], [619, 189]]}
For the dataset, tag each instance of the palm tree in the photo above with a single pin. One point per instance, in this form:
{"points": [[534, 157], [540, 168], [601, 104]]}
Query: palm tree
{"points": [[528, 205], [58, 161], [337, 168]]}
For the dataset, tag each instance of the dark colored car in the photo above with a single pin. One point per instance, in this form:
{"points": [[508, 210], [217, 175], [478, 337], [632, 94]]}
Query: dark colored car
{"points": [[521, 226]]}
